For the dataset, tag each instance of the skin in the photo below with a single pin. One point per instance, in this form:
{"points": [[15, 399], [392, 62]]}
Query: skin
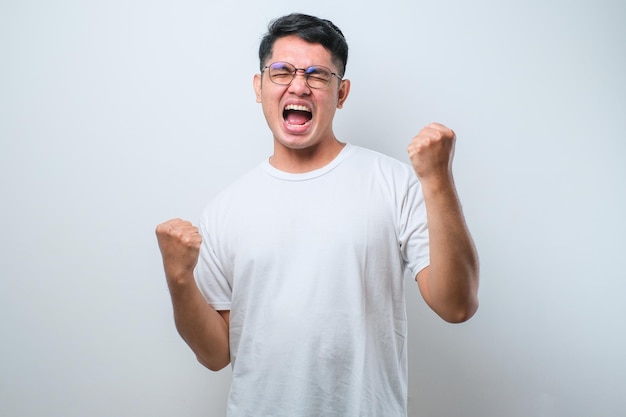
{"points": [[449, 285], [203, 328], [301, 149]]}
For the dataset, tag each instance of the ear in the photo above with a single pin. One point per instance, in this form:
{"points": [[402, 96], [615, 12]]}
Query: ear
{"points": [[342, 95], [256, 83]]}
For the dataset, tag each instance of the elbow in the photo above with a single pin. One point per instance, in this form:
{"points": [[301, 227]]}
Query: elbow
{"points": [[461, 314], [215, 364], [463, 305]]}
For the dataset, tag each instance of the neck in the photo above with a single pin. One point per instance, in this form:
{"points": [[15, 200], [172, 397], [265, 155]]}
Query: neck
{"points": [[298, 161]]}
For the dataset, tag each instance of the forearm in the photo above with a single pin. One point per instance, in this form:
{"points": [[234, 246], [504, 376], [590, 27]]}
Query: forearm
{"points": [[451, 282], [203, 328]]}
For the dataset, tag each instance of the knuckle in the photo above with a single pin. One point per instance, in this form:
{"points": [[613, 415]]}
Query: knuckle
{"points": [[162, 229]]}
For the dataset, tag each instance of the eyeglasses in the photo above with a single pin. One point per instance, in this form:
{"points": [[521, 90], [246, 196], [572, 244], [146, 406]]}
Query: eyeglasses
{"points": [[315, 76]]}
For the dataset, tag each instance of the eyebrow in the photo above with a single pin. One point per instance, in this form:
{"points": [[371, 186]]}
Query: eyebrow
{"points": [[279, 65], [316, 69]]}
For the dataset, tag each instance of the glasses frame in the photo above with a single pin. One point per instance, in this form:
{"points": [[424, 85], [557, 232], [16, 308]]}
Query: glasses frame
{"points": [[305, 74]]}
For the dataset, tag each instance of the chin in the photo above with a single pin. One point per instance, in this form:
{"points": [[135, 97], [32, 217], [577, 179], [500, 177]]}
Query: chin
{"points": [[296, 143], [297, 146]]}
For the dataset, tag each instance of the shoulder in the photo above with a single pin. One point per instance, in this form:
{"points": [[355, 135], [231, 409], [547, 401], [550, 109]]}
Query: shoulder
{"points": [[239, 192], [381, 165]]}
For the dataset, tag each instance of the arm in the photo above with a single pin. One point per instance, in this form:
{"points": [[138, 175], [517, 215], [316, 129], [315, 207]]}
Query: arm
{"points": [[450, 284], [203, 328]]}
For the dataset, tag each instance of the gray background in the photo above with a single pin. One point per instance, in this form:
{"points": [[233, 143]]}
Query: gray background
{"points": [[117, 115]]}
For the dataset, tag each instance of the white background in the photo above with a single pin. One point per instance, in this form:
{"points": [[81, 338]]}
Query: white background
{"points": [[117, 115]]}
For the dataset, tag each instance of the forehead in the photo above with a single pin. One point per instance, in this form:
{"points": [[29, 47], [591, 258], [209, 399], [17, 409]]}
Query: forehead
{"points": [[300, 53]]}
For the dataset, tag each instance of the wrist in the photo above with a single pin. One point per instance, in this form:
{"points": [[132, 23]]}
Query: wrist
{"points": [[179, 280], [437, 183]]}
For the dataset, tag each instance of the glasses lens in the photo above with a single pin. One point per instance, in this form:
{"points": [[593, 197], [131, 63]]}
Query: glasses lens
{"points": [[282, 72], [318, 77]]}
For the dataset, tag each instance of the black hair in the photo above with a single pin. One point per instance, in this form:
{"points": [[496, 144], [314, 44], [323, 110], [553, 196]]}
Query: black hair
{"points": [[311, 29]]}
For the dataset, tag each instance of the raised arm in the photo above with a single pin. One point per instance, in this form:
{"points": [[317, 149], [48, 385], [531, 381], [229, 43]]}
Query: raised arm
{"points": [[203, 328], [450, 284]]}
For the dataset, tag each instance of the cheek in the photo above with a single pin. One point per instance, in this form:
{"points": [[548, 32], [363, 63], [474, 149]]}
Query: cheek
{"points": [[329, 108], [270, 109]]}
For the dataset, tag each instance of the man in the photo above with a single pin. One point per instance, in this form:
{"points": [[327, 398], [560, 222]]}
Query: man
{"points": [[299, 265]]}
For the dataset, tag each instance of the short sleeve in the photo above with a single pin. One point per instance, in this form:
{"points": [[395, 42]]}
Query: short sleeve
{"points": [[413, 229], [211, 274]]}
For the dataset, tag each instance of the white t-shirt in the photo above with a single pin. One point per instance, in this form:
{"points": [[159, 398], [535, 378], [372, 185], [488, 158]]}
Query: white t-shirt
{"points": [[312, 268]]}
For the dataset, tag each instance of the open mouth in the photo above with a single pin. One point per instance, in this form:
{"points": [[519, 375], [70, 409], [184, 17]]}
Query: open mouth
{"points": [[297, 115]]}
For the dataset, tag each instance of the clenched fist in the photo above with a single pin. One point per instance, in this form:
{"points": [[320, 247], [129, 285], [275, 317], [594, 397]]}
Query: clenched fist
{"points": [[179, 242], [431, 152]]}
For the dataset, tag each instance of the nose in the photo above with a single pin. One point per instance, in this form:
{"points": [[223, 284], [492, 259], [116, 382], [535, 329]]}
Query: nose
{"points": [[298, 84]]}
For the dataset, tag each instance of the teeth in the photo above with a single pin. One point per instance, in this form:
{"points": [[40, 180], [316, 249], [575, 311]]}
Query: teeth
{"points": [[297, 107]]}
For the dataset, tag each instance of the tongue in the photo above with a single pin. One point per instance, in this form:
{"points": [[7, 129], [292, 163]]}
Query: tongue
{"points": [[295, 117]]}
